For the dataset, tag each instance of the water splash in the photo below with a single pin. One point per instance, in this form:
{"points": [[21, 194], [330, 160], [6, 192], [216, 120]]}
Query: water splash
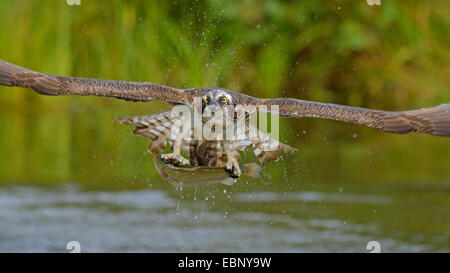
{"points": [[284, 164]]}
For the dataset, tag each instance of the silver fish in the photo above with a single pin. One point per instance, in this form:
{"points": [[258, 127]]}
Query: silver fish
{"points": [[201, 175]]}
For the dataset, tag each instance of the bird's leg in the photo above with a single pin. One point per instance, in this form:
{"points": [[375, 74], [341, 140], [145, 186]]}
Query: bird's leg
{"points": [[175, 157], [232, 163]]}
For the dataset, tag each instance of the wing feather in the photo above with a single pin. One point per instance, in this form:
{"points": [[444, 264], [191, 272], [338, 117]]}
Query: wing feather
{"points": [[157, 127], [432, 121], [46, 84]]}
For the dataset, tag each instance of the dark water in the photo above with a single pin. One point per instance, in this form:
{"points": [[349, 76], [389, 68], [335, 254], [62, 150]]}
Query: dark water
{"points": [[223, 219]]}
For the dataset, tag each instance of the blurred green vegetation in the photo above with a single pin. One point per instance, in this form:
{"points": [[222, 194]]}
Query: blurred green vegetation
{"points": [[394, 56]]}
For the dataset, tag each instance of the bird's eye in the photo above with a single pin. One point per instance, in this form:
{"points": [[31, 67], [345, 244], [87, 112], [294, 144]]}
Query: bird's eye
{"points": [[223, 100], [206, 99]]}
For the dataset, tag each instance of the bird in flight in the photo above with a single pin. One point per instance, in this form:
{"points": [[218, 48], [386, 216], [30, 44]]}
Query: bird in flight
{"points": [[159, 127]]}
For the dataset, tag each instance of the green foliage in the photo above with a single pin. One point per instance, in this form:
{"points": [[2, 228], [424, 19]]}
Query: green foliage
{"points": [[394, 56]]}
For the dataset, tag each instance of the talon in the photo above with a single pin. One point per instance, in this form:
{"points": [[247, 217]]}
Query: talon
{"points": [[232, 173], [232, 163], [163, 159], [233, 169], [174, 159]]}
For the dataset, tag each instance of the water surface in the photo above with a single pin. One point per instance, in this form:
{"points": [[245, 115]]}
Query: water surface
{"points": [[165, 219]]}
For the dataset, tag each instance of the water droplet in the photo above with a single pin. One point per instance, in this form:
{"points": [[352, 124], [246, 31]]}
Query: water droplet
{"points": [[177, 212]]}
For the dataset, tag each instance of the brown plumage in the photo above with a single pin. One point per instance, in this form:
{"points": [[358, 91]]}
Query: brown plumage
{"points": [[433, 121], [158, 127], [46, 84]]}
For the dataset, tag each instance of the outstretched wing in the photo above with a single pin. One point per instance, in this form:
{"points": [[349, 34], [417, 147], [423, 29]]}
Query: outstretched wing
{"points": [[13, 75], [432, 121]]}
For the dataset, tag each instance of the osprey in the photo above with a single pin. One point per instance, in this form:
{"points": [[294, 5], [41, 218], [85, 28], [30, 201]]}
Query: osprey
{"points": [[159, 127]]}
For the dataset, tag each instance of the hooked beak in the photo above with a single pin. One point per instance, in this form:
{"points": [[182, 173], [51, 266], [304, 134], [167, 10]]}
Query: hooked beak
{"points": [[214, 107]]}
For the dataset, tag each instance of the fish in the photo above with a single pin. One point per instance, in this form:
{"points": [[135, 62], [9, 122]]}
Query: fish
{"points": [[201, 175]]}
